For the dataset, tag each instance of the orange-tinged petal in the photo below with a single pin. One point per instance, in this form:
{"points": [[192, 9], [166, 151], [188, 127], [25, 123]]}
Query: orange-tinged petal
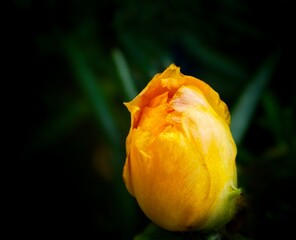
{"points": [[161, 186]]}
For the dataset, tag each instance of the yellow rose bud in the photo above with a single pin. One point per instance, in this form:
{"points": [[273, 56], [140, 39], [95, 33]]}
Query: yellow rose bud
{"points": [[180, 163]]}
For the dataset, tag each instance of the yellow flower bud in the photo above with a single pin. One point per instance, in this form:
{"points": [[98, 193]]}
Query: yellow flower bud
{"points": [[180, 163]]}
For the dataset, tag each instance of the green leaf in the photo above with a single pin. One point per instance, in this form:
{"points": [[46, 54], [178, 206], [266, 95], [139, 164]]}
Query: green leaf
{"points": [[89, 83], [244, 109], [124, 74]]}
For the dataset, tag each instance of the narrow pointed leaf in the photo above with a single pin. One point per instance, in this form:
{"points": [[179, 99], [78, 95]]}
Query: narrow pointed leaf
{"points": [[124, 74], [244, 109]]}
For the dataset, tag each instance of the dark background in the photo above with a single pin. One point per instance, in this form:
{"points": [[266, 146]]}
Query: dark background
{"points": [[69, 123]]}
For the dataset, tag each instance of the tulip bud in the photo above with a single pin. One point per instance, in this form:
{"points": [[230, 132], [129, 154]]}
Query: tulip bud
{"points": [[180, 163]]}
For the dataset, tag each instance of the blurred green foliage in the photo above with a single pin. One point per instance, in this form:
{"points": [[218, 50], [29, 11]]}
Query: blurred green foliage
{"points": [[76, 62]]}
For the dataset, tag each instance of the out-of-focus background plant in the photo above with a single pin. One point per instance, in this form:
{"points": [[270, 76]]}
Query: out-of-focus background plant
{"points": [[76, 62]]}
